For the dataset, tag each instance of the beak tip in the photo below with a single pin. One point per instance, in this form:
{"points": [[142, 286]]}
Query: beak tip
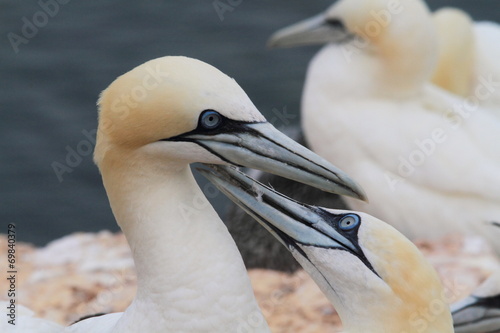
{"points": [[361, 195], [272, 42]]}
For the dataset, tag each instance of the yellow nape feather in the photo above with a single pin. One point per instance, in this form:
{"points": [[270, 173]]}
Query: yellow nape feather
{"points": [[455, 69], [423, 305]]}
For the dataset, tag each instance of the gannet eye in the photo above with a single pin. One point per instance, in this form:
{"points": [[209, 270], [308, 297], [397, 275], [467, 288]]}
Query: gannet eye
{"points": [[349, 222], [334, 23], [210, 119]]}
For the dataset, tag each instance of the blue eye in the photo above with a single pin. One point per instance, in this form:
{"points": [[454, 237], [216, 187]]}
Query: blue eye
{"points": [[210, 119], [349, 222]]}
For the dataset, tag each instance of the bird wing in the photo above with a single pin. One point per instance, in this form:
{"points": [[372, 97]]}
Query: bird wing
{"points": [[428, 144], [25, 322]]}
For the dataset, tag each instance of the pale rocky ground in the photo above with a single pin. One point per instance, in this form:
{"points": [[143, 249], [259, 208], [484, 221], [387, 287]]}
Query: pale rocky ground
{"points": [[87, 273]]}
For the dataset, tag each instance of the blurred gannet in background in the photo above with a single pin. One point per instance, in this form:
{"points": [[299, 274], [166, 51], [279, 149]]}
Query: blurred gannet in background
{"points": [[469, 54], [153, 122], [480, 312], [429, 161], [376, 279], [456, 45]]}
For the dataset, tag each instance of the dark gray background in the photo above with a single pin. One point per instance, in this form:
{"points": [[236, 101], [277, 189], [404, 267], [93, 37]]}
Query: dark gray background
{"points": [[49, 88]]}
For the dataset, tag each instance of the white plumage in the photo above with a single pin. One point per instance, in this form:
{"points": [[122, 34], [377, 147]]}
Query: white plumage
{"points": [[25, 322], [428, 160]]}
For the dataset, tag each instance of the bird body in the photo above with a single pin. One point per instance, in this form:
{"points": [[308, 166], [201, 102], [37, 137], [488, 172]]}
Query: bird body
{"points": [[409, 152], [23, 321], [179, 282], [423, 155]]}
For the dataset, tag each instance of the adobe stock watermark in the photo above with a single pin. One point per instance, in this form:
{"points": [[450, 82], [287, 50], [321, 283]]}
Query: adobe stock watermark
{"points": [[281, 119], [223, 6], [454, 118], [32, 25], [372, 29], [116, 283], [122, 104], [199, 202], [120, 107], [423, 317], [74, 155], [268, 306]]}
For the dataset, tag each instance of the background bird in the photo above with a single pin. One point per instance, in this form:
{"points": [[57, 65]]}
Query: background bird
{"points": [[422, 155], [457, 71], [468, 56]]}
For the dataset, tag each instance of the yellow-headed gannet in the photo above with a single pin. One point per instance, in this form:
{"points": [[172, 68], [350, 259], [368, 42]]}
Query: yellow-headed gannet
{"points": [[429, 161], [469, 54], [377, 280], [153, 122], [480, 312]]}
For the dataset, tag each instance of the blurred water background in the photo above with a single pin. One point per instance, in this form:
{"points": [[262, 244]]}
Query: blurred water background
{"points": [[49, 87]]}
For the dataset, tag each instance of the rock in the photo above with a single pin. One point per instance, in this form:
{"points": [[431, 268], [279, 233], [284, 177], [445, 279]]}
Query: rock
{"points": [[83, 274]]}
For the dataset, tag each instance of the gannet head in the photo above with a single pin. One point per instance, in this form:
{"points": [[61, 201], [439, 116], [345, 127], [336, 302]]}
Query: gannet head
{"points": [[400, 34], [455, 69], [381, 22], [173, 111], [377, 279]]}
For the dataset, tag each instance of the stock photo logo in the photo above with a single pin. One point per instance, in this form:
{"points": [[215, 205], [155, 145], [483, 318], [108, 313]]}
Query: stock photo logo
{"points": [[121, 106], [222, 7], [31, 25]]}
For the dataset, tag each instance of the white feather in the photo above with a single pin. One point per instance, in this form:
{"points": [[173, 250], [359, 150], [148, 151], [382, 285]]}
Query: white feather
{"points": [[429, 161]]}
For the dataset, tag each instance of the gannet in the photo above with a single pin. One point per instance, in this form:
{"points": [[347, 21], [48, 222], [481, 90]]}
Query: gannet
{"points": [[429, 161], [376, 279], [468, 56], [153, 122], [480, 312]]}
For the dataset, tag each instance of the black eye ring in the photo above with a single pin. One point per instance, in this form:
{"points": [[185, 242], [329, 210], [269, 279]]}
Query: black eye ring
{"points": [[334, 23], [349, 222], [210, 119]]}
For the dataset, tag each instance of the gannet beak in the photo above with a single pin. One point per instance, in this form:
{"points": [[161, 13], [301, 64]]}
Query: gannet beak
{"points": [[261, 146], [291, 222], [315, 30], [476, 314]]}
